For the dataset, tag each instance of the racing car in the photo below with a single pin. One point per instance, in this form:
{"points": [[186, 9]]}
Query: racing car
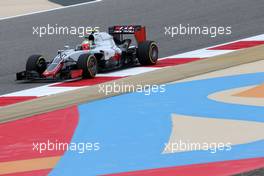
{"points": [[99, 52]]}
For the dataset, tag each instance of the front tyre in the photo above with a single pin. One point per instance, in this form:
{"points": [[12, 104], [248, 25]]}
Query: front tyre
{"points": [[88, 64], [36, 63], [147, 53]]}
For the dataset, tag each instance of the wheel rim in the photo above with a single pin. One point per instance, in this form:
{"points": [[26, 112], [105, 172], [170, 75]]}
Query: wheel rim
{"points": [[92, 66], [153, 53], [41, 64]]}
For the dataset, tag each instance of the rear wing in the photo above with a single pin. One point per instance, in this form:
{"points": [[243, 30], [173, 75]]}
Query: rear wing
{"points": [[138, 31]]}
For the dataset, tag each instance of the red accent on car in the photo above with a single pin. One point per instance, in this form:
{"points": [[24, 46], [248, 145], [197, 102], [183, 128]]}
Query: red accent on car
{"points": [[53, 72], [85, 46], [118, 28], [76, 73], [117, 57], [141, 35]]}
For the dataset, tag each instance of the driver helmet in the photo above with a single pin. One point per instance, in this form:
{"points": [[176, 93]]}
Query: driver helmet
{"points": [[88, 42], [91, 38]]}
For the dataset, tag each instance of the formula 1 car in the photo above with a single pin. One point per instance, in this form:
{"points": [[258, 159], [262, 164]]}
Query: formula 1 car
{"points": [[99, 52]]}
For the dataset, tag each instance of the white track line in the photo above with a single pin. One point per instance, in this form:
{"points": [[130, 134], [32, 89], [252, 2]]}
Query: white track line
{"points": [[130, 71], [41, 91], [50, 10], [201, 53], [204, 52]]}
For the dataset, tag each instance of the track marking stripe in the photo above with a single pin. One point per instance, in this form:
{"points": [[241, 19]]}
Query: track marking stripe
{"points": [[237, 45], [31, 173], [28, 165], [15, 99], [17, 137], [256, 92], [208, 169], [50, 10], [164, 62], [86, 82]]}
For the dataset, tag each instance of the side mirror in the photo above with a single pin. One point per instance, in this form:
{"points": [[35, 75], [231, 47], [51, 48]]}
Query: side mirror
{"points": [[78, 47], [60, 51]]}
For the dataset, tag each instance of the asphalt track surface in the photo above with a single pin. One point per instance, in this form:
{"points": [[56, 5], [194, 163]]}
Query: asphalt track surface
{"points": [[69, 2], [258, 172], [17, 41]]}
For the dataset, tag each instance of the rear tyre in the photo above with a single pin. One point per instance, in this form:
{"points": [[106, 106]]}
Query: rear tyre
{"points": [[88, 64], [36, 63], [147, 53]]}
